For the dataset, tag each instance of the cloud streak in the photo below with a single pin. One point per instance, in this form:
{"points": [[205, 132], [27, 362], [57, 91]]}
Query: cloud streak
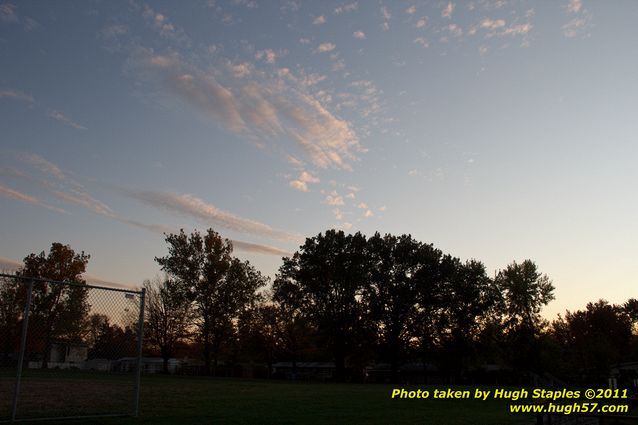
{"points": [[68, 190], [59, 116], [30, 100], [189, 205], [16, 95], [7, 192]]}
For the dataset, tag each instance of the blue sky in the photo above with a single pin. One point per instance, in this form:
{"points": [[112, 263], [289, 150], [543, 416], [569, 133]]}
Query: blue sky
{"points": [[497, 130]]}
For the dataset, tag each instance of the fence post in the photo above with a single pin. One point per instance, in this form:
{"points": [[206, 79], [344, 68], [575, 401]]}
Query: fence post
{"points": [[23, 347], [140, 337]]}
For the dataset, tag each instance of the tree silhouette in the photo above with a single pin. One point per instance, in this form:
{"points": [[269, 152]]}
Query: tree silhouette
{"points": [[595, 338], [392, 291], [58, 311], [169, 314], [219, 285], [327, 277], [12, 300], [524, 292]]}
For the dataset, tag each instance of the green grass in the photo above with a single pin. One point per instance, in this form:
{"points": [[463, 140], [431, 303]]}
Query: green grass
{"points": [[193, 401]]}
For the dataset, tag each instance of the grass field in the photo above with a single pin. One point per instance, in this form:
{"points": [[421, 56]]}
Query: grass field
{"points": [[184, 400]]}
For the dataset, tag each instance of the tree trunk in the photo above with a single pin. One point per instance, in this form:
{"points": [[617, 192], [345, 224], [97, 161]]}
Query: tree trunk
{"points": [[394, 358], [294, 368], [206, 341], [165, 357]]}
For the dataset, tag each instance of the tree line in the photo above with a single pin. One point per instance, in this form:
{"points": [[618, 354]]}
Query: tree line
{"points": [[344, 298], [357, 300]]}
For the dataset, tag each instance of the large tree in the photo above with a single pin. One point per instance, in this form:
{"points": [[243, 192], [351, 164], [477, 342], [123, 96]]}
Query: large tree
{"points": [[469, 297], [12, 300], [327, 277], [296, 328], [169, 314], [392, 292], [219, 285], [524, 292], [58, 311], [430, 303]]}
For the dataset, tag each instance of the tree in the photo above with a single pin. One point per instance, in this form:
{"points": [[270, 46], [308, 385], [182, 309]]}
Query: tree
{"points": [[12, 300], [219, 285], [525, 291], [296, 329], [327, 277], [469, 296], [595, 338], [168, 316], [261, 333], [57, 311], [110, 341], [430, 318], [392, 291]]}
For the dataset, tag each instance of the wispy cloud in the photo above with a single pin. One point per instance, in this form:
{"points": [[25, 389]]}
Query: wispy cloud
{"points": [[385, 13], [59, 116], [422, 22], [83, 199], [30, 100], [267, 55], [164, 27], [492, 24], [422, 41], [348, 7], [359, 35], [301, 183], [264, 106], [574, 6], [16, 95], [61, 185], [333, 198], [448, 10], [189, 205], [326, 47], [580, 22], [65, 188], [43, 165], [7, 192], [259, 249], [7, 13], [319, 20]]}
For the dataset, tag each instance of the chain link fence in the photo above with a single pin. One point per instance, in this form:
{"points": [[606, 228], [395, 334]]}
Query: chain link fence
{"points": [[68, 350]]}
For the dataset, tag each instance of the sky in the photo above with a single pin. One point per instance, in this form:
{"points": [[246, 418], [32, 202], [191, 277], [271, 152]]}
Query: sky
{"points": [[498, 130]]}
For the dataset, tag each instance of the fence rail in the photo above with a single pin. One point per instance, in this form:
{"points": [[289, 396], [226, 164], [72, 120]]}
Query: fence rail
{"points": [[68, 349]]}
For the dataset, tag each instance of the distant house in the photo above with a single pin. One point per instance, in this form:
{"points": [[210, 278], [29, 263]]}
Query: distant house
{"points": [[62, 352], [322, 371], [149, 365], [64, 355]]}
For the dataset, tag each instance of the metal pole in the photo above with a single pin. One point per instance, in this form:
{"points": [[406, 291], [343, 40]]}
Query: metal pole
{"points": [[140, 337], [23, 347]]}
